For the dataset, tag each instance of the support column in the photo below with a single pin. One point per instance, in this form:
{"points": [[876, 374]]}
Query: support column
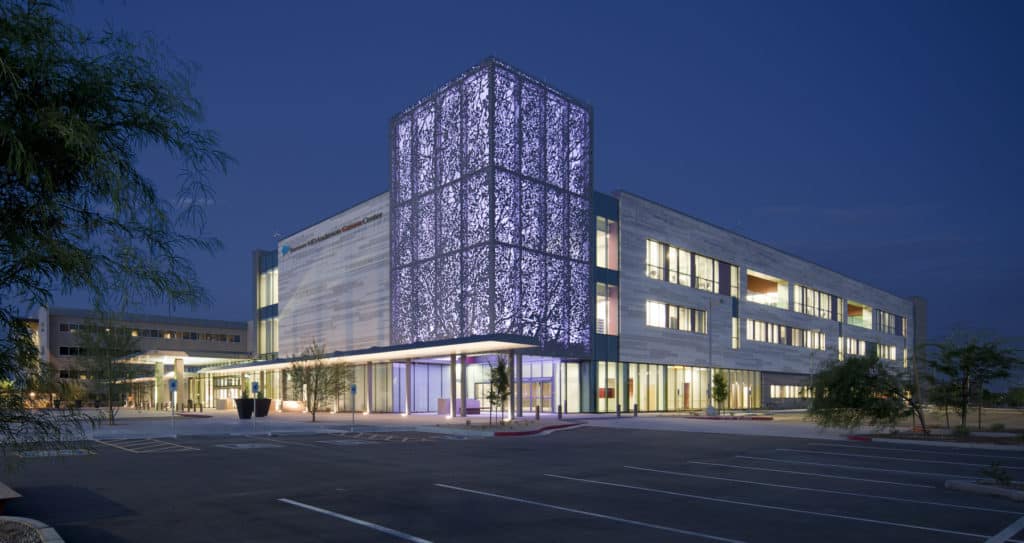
{"points": [[369, 388], [408, 387], [451, 389], [512, 385], [179, 374], [519, 385], [159, 388], [465, 387]]}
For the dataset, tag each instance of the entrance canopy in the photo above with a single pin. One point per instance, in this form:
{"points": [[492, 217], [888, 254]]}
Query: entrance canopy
{"points": [[473, 345], [190, 358]]}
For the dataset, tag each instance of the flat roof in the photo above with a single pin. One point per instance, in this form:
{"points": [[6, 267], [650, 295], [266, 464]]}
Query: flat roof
{"points": [[492, 343], [190, 357], [142, 318]]}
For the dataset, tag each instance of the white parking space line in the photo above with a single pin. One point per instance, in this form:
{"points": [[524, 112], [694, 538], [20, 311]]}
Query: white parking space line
{"points": [[812, 474], [771, 507], [824, 491], [847, 466], [1007, 532], [383, 529], [589, 514], [904, 449], [895, 458]]}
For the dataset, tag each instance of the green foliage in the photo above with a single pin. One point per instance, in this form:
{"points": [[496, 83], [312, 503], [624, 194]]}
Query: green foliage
{"points": [[76, 213], [998, 473], [106, 347], [500, 388], [963, 365], [719, 389], [961, 432], [861, 391], [997, 427], [321, 381]]}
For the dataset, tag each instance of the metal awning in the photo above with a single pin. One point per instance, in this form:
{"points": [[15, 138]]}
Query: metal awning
{"points": [[473, 345]]}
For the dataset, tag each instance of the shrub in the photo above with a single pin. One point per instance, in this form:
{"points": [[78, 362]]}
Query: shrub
{"points": [[997, 473], [997, 427], [961, 432]]}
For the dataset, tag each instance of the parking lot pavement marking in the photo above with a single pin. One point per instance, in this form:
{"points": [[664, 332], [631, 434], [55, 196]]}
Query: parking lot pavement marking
{"points": [[249, 446], [383, 529], [905, 449], [896, 458], [772, 507], [840, 492], [812, 474], [1007, 532], [847, 466], [590, 514], [347, 442], [145, 446]]}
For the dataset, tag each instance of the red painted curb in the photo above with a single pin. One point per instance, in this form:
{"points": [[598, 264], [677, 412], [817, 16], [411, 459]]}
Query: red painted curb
{"points": [[865, 439], [537, 431]]}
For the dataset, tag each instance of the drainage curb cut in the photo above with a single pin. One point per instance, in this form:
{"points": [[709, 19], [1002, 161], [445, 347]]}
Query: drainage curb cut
{"points": [[987, 490], [537, 431], [46, 533]]}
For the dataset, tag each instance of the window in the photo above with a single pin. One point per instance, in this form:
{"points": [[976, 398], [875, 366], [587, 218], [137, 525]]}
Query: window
{"points": [[767, 290], [679, 266], [855, 347], [660, 315], [886, 352], [787, 392], [858, 314], [236, 339], [734, 281], [607, 244], [735, 333], [707, 273], [64, 327], [812, 302], [71, 351], [170, 334], [655, 260], [607, 309], [655, 314], [769, 332], [886, 322], [267, 291]]}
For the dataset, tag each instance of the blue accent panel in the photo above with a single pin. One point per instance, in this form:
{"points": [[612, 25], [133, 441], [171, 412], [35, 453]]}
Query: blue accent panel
{"points": [[606, 206], [606, 276], [606, 347], [268, 312]]}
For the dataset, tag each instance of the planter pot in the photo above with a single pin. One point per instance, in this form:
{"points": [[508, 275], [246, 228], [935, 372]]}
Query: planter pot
{"points": [[262, 407], [244, 407]]}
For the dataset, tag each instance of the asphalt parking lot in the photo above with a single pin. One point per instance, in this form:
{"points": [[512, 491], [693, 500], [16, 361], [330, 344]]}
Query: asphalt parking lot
{"points": [[579, 485]]}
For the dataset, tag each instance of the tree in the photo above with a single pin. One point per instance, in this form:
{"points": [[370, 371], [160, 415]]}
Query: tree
{"points": [[76, 212], [105, 346], [719, 389], [500, 387], [965, 364], [319, 380], [862, 391]]}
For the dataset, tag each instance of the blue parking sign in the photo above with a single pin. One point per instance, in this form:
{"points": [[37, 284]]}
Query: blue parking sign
{"points": [[255, 387], [352, 389], [173, 384]]}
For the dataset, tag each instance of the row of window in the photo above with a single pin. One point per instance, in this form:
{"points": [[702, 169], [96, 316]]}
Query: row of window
{"points": [[769, 332], [665, 262], [681, 267], [661, 315], [166, 334], [787, 392]]}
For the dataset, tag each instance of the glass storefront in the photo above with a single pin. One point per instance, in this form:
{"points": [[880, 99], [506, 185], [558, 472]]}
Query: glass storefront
{"points": [[660, 387]]}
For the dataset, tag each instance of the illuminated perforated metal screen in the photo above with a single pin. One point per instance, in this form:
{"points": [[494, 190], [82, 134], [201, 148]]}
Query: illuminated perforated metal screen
{"points": [[491, 221]]}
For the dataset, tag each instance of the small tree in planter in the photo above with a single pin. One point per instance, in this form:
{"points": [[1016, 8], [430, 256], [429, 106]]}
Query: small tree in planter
{"points": [[321, 381], [719, 389], [500, 388]]}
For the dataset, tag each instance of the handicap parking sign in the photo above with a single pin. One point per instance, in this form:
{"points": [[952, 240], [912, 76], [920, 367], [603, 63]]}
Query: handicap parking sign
{"points": [[173, 384], [352, 388], [255, 387]]}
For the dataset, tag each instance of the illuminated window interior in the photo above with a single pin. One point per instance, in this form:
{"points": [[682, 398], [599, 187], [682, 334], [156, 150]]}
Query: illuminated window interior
{"points": [[767, 290], [607, 244], [607, 309], [858, 314]]}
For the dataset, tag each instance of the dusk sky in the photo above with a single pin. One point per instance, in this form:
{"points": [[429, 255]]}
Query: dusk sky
{"points": [[884, 140]]}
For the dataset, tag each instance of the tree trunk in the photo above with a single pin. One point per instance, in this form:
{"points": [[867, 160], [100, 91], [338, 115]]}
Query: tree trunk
{"points": [[947, 417]]}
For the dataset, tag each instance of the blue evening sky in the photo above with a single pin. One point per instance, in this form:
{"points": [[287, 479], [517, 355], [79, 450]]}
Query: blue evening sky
{"points": [[884, 140]]}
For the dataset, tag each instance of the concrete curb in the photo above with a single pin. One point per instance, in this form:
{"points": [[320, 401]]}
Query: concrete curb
{"points": [[939, 444], [46, 533], [975, 487], [727, 417], [538, 430]]}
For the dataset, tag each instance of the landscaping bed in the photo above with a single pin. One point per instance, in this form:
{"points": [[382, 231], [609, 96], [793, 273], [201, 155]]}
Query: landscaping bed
{"points": [[18, 532], [996, 438]]}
